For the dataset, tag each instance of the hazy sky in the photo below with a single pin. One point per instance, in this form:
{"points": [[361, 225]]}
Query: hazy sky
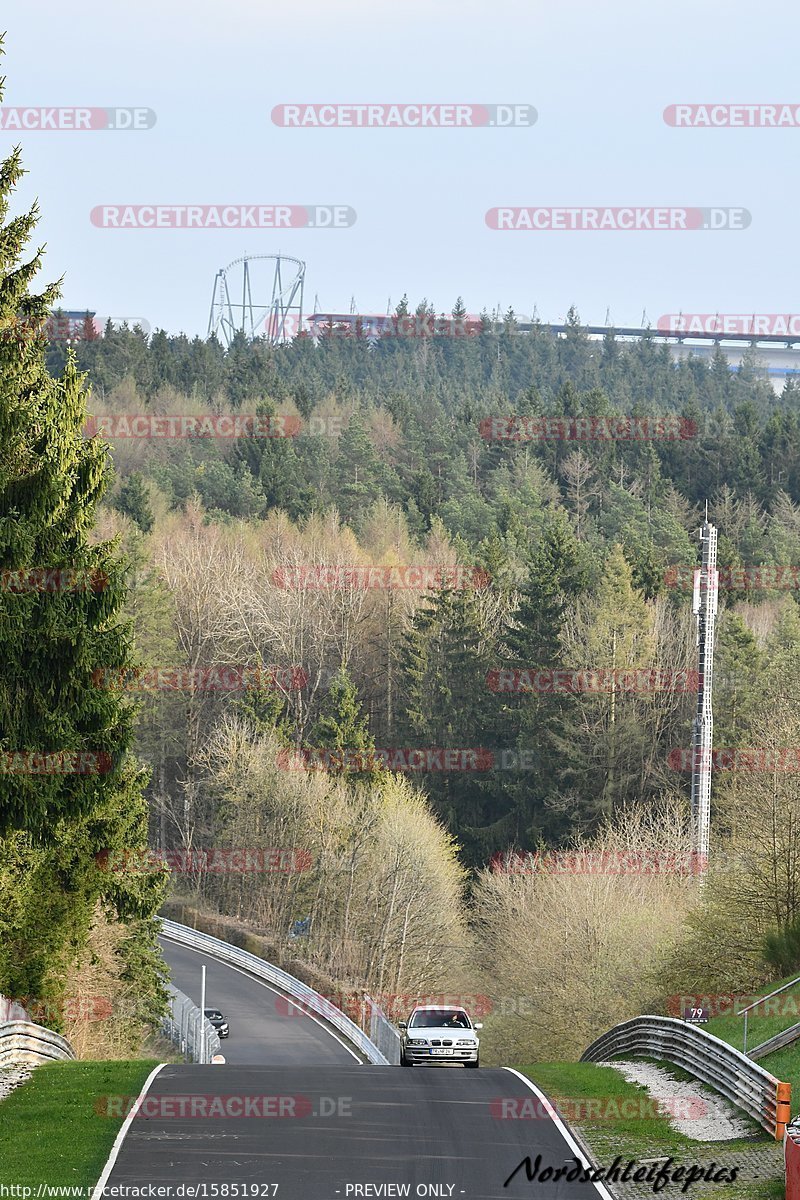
{"points": [[598, 75]]}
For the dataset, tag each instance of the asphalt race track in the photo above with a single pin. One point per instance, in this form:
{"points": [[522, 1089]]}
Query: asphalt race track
{"points": [[262, 1029], [319, 1131]]}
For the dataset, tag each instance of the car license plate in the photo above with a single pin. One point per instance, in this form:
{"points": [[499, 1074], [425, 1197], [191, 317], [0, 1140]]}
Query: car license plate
{"points": [[442, 1052]]}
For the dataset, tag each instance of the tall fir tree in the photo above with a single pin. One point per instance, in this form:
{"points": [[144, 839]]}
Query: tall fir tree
{"points": [[445, 661], [557, 574], [56, 630]]}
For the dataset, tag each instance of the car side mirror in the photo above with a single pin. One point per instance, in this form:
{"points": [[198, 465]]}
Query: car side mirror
{"points": [[479, 1025], [402, 1024]]}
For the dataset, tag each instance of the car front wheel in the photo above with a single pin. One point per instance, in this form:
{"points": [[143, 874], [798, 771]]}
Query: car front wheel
{"points": [[472, 1064], [404, 1061]]}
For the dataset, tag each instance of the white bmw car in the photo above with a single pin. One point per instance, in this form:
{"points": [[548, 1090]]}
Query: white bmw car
{"points": [[439, 1035]]}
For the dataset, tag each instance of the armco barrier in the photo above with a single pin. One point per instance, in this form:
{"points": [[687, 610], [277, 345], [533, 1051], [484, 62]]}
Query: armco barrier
{"points": [[791, 1154], [711, 1060], [24, 1042], [282, 980]]}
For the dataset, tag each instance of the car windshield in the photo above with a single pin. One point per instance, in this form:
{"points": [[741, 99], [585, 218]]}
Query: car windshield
{"points": [[440, 1019], [213, 1014]]}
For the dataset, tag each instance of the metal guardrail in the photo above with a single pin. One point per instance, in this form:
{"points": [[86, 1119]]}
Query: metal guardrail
{"points": [[282, 980], [188, 1029], [711, 1060], [383, 1033], [24, 1042]]}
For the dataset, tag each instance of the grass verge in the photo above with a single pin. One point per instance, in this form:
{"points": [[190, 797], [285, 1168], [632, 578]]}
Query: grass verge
{"points": [[49, 1129]]}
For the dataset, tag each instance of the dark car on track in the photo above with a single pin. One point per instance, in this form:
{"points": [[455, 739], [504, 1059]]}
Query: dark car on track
{"points": [[219, 1022]]}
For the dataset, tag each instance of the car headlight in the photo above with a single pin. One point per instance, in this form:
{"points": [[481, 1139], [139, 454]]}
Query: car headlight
{"points": [[466, 1042], [417, 1041]]}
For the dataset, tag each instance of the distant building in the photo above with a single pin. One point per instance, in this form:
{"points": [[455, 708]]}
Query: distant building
{"points": [[66, 325]]}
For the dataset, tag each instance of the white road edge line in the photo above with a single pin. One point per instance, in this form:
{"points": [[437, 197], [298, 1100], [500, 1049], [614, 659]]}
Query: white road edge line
{"points": [[602, 1190], [115, 1149], [270, 988]]}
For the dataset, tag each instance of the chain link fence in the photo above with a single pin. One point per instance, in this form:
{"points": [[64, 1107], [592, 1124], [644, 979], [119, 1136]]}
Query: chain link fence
{"points": [[188, 1029], [383, 1033]]}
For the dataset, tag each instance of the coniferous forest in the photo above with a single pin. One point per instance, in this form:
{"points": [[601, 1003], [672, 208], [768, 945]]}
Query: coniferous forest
{"points": [[570, 554]]}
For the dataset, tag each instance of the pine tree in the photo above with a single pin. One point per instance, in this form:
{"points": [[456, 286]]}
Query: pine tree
{"points": [[133, 499], [341, 727], [55, 632], [604, 749], [557, 574], [445, 661], [358, 469]]}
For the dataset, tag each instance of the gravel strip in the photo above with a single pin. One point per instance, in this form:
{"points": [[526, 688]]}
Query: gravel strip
{"points": [[690, 1108]]}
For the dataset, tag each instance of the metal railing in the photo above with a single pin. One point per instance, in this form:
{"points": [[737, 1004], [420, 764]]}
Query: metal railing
{"points": [[188, 1029], [708, 1058], [383, 1033], [745, 1011], [784, 1038], [24, 1042], [310, 1000]]}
